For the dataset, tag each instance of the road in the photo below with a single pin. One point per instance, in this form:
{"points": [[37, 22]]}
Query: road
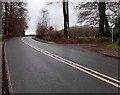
{"points": [[36, 67]]}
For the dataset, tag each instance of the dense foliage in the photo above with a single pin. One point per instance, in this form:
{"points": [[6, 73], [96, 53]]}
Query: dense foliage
{"points": [[117, 30]]}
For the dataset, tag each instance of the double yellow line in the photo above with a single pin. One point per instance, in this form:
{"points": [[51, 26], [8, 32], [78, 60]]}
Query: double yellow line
{"points": [[84, 69]]}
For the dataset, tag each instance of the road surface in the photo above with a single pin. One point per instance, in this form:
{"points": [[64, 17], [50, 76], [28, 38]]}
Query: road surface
{"points": [[36, 67]]}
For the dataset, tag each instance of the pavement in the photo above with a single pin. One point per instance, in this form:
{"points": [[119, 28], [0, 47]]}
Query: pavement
{"points": [[0, 69], [110, 53], [44, 41], [37, 67]]}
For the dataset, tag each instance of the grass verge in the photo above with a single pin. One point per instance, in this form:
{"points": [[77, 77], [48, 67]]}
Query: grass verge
{"points": [[114, 46]]}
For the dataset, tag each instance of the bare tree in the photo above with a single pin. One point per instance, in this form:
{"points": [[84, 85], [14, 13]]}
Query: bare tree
{"points": [[88, 12], [66, 17], [43, 23], [98, 13], [45, 18], [15, 17]]}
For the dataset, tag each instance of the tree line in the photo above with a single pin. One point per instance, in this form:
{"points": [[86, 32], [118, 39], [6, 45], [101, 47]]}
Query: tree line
{"points": [[14, 18], [102, 14], [97, 14]]}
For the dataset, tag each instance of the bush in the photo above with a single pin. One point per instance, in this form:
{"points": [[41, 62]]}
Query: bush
{"points": [[118, 42], [117, 29], [116, 34], [82, 31]]}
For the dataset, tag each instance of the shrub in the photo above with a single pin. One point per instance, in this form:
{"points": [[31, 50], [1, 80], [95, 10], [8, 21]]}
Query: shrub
{"points": [[118, 42], [82, 31], [117, 29]]}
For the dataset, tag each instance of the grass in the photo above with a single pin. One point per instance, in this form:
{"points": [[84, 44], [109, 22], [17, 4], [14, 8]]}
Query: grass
{"points": [[114, 46], [108, 38], [86, 37]]}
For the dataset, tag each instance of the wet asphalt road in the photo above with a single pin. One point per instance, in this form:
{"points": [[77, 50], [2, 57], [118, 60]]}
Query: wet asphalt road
{"points": [[34, 72]]}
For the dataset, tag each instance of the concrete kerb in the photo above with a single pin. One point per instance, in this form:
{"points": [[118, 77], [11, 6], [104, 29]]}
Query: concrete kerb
{"points": [[110, 55]]}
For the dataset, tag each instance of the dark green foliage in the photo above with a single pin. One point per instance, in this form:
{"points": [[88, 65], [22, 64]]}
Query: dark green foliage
{"points": [[118, 42], [116, 34], [117, 29], [117, 22]]}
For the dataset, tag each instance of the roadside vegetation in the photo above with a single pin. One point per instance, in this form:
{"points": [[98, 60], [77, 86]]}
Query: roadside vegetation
{"points": [[14, 19], [115, 45], [79, 35], [97, 26], [96, 16], [116, 34]]}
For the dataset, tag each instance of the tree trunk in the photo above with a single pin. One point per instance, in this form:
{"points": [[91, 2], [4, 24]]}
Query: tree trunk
{"points": [[107, 31], [101, 20], [11, 19], [6, 17], [66, 19]]}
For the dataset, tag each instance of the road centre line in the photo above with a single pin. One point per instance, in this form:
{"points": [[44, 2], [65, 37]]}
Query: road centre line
{"points": [[84, 69]]}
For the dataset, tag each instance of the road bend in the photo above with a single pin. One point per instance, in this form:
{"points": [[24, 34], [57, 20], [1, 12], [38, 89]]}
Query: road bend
{"points": [[36, 67]]}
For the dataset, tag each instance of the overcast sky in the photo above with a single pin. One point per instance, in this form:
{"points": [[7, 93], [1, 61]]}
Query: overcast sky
{"points": [[55, 14]]}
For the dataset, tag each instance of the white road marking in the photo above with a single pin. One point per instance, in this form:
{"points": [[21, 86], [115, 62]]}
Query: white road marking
{"points": [[77, 66]]}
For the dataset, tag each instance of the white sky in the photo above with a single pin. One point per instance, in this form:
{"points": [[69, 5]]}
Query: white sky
{"points": [[55, 14]]}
